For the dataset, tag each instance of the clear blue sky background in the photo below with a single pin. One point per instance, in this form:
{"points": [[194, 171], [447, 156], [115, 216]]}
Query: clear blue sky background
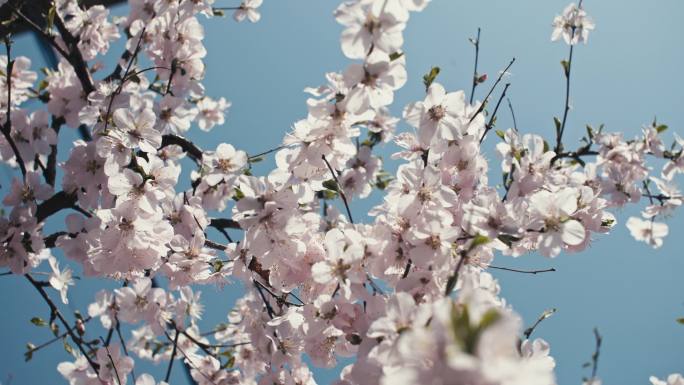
{"points": [[629, 72]]}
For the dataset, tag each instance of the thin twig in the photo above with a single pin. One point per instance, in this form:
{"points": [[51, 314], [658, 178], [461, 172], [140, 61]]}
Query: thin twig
{"points": [[57, 338], [269, 308], [253, 157], [173, 357], [523, 271], [498, 80], [111, 360], [55, 310], [490, 124], [476, 43]]}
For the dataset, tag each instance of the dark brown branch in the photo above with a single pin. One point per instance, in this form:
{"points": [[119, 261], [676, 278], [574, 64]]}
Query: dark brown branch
{"points": [[54, 310], [224, 223], [59, 201], [7, 127], [50, 173], [214, 245], [194, 152], [75, 57], [51, 239]]}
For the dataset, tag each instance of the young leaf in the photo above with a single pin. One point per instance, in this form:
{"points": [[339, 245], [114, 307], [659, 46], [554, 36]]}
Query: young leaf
{"points": [[38, 321], [430, 77]]}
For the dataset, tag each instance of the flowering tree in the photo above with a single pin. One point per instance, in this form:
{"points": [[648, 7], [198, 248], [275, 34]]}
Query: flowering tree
{"points": [[408, 295]]}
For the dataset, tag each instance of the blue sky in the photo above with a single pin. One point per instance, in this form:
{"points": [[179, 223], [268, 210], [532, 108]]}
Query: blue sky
{"points": [[628, 73]]}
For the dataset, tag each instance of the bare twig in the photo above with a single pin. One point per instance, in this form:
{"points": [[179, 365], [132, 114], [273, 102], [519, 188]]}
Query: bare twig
{"points": [[523, 271], [476, 77], [498, 80]]}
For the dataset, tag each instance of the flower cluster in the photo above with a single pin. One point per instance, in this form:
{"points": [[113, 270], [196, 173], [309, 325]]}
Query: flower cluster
{"points": [[407, 294]]}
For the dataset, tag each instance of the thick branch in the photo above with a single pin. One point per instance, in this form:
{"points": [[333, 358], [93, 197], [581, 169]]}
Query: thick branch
{"points": [[194, 152], [57, 202]]}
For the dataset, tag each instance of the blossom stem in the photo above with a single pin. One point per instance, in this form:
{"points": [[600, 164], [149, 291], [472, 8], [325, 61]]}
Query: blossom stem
{"points": [[269, 308], [73, 55], [111, 360], [566, 109], [173, 357], [339, 189]]}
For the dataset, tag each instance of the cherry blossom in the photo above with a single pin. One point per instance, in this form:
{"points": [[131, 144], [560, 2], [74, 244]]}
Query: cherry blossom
{"points": [[573, 25], [403, 295]]}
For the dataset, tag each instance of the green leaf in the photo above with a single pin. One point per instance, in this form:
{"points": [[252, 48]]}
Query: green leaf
{"points": [[508, 239], [217, 265], [680, 320], [330, 184], [488, 319], [479, 240], [607, 223], [566, 67], [661, 128], [396, 55], [51, 16], [430, 77], [256, 160], [218, 12], [546, 146], [38, 321], [238, 194], [557, 122], [500, 134], [329, 195], [68, 347], [590, 132]]}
